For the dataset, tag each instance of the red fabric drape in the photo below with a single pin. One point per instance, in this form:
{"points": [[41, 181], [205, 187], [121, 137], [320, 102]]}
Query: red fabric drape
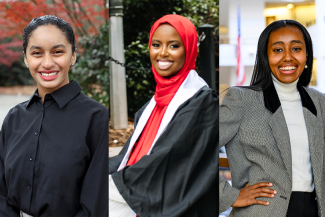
{"points": [[166, 87]]}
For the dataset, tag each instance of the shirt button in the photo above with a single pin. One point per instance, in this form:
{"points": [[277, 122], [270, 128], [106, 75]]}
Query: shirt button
{"points": [[28, 186], [31, 159], [36, 133]]}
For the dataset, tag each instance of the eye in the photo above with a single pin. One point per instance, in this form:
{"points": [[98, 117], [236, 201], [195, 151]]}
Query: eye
{"points": [[36, 53], [296, 48], [277, 50], [174, 46], [155, 45], [58, 52]]}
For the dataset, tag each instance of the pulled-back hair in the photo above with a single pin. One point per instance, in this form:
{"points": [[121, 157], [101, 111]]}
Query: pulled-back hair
{"points": [[61, 24], [261, 77]]}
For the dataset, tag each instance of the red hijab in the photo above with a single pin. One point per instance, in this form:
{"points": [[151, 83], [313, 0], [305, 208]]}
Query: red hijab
{"points": [[166, 87]]}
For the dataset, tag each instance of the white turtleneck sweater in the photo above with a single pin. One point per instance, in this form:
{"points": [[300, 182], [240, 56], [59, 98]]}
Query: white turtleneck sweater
{"points": [[302, 175]]}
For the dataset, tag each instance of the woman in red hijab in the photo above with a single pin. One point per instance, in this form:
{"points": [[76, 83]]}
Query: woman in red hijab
{"points": [[169, 167]]}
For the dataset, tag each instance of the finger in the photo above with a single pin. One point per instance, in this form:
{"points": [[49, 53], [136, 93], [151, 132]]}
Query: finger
{"points": [[260, 202], [247, 185], [262, 184], [265, 190], [261, 194]]}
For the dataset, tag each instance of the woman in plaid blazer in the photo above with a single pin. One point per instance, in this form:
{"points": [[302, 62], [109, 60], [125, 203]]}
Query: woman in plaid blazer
{"points": [[275, 143]]}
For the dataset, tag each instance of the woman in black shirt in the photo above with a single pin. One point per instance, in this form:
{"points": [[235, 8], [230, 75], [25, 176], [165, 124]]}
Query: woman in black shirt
{"points": [[53, 147]]}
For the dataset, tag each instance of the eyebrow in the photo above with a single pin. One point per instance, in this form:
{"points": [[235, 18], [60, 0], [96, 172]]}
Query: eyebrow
{"points": [[281, 42], [54, 47], [168, 41]]}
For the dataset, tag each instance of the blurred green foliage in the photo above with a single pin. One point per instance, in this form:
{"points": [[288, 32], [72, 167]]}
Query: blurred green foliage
{"points": [[91, 69], [16, 74], [139, 15]]}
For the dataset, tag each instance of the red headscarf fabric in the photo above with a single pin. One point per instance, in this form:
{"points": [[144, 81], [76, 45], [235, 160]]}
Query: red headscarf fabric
{"points": [[166, 87]]}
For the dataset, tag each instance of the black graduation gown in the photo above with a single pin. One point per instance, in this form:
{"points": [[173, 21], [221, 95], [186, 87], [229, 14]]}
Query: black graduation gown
{"points": [[179, 177]]}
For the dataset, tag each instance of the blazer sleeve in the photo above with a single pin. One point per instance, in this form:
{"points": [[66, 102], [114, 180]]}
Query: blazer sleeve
{"points": [[5, 208], [231, 116], [94, 191], [179, 177]]}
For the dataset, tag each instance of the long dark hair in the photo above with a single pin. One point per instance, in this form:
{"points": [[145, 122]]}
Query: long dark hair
{"points": [[261, 77]]}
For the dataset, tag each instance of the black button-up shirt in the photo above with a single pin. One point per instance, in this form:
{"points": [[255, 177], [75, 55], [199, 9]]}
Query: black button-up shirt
{"points": [[53, 156]]}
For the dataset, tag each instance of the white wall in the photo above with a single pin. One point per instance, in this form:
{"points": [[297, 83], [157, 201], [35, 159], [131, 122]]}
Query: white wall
{"points": [[252, 24]]}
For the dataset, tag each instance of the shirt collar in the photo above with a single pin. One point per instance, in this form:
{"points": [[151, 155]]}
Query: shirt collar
{"points": [[63, 95], [31, 99]]}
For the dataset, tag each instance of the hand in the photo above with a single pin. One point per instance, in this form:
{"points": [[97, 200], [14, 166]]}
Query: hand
{"points": [[248, 194]]}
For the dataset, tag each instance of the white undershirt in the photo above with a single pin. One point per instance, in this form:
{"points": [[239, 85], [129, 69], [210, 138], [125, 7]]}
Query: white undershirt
{"points": [[302, 175], [117, 205]]}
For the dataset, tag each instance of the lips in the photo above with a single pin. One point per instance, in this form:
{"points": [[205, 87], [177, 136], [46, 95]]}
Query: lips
{"points": [[287, 69], [164, 64], [48, 75]]}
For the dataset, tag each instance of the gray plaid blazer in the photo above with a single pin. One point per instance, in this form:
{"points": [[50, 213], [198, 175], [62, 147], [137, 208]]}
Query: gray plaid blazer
{"points": [[254, 131]]}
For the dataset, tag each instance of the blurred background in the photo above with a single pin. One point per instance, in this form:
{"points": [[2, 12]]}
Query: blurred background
{"points": [[255, 15], [138, 17], [89, 20], [238, 46]]}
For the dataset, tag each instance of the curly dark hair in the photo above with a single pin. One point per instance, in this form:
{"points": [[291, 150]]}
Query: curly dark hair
{"points": [[261, 77], [61, 24]]}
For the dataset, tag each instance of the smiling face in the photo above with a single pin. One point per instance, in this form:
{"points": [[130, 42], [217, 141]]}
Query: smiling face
{"points": [[49, 56], [287, 53], [167, 51]]}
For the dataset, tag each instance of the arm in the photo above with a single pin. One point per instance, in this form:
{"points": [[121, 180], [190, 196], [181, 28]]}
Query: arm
{"points": [[231, 116], [114, 162], [179, 177], [5, 208], [230, 112], [93, 197]]}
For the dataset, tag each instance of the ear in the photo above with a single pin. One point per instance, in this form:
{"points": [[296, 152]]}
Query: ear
{"points": [[25, 60], [74, 57]]}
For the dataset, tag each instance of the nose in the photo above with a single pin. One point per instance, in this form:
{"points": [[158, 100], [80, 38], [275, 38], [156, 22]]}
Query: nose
{"points": [[164, 51], [47, 62], [287, 56]]}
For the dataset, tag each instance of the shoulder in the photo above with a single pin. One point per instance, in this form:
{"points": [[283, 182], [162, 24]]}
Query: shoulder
{"points": [[241, 93], [91, 105], [14, 113], [18, 108], [314, 93], [203, 99]]}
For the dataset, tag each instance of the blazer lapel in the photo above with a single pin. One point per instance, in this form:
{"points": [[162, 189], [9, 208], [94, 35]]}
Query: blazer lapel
{"points": [[315, 140], [315, 135], [281, 135], [278, 126]]}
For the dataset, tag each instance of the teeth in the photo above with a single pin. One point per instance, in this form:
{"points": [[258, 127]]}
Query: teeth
{"points": [[162, 63], [51, 74], [287, 68]]}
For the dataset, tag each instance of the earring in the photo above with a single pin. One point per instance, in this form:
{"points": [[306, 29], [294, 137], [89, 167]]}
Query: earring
{"points": [[306, 66], [72, 64], [27, 66]]}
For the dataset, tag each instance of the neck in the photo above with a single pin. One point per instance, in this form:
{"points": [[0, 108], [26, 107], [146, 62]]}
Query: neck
{"points": [[286, 90]]}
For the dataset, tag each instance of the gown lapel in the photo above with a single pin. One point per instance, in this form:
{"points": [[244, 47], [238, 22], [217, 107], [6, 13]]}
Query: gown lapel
{"points": [[192, 84]]}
